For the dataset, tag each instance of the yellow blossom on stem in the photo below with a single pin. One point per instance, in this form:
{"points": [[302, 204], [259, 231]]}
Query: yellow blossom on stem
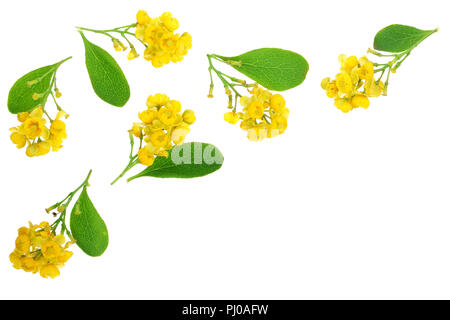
{"points": [[38, 249], [264, 114], [163, 126], [35, 133], [163, 45], [232, 117], [132, 54], [189, 117], [157, 34], [353, 85]]}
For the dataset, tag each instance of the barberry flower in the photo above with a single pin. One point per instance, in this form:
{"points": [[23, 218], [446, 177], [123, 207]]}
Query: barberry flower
{"points": [[39, 249], [163, 125], [354, 84], [37, 131], [34, 133], [264, 114], [162, 44]]}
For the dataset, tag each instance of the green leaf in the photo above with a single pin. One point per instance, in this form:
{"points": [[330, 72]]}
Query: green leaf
{"points": [[107, 79], [274, 69], [20, 98], [87, 227], [398, 38], [189, 160]]}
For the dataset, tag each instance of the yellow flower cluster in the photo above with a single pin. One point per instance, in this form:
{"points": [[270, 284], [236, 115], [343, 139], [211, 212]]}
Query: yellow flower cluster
{"points": [[163, 126], [34, 133], [264, 115], [39, 250], [354, 84], [163, 45]]}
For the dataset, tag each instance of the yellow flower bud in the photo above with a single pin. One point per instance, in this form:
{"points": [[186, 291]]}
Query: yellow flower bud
{"points": [[324, 83], [174, 105], [31, 83], [132, 54], [189, 117], [142, 17], [147, 116], [231, 117], [136, 130], [117, 45], [22, 116], [277, 102]]}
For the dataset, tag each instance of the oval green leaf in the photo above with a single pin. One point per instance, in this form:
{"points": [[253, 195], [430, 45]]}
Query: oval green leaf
{"points": [[20, 98], [107, 78], [189, 160], [87, 227], [399, 38], [274, 69]]}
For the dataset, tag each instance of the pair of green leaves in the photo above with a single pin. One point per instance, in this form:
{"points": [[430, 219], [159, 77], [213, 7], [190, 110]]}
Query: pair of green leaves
{"points": [[189, 160], [107, 78], [399, 38], [87, 227], [273, 68]]}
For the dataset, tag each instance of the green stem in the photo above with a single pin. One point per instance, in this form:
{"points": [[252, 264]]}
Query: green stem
{"points": [[118, 30], [53, 70], [62, 61], [115, 30], [65, 202], [133, 161], [222, 75], [84, 184], [58, 107], [52, 84], [49, 91], [48, 116]]}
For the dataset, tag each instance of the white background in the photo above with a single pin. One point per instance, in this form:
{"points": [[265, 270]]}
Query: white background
{"points": [[341, 206]]}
